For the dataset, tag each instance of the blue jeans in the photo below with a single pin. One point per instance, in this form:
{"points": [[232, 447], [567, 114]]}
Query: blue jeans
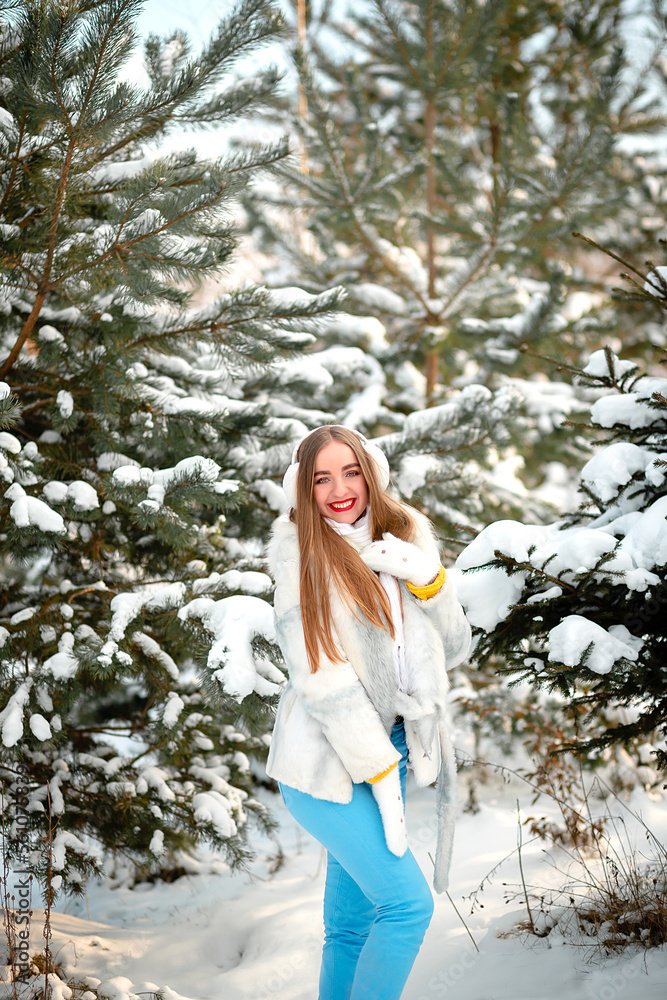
{"points": [[376, 906]]}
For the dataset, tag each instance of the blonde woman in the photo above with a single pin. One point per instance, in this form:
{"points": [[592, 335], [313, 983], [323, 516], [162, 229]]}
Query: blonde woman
{"points": [[368, 622]]}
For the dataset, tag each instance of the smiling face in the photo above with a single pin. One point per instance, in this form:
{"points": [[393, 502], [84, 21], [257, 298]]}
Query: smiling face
{"points": [[339, 489]]}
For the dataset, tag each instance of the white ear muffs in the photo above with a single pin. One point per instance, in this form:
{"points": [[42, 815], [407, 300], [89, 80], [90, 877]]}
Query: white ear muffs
{"points": [[378, 456], [381, 462], [289, 484]]}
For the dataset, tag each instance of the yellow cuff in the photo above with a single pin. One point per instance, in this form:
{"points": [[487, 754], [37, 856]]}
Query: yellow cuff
{"points": [[423, 593], [382, 774]]}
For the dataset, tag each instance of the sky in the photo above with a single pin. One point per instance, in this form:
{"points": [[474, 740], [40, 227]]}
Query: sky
{"points": [[199, 20]]}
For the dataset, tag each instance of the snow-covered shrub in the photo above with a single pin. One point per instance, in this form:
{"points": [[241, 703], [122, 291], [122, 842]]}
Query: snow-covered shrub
{"points": [[578, 606], [612, 893]]}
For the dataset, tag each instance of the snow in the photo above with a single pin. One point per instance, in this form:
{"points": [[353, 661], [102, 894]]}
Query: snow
{"points": [[54, 491], [272, 493], [159, 481], [5, 390], [173, 707], [366, 407], [570, 639], [55, 794], [625, 410], [248, 581], [65, 403], [65, 841], [509, 537], [367, 329], [645, 541], [234, 622], [257, 935], [110, 460], [7, 121], [308, 371], [31, 512], [156, 847], [24, 615], [487, 596], [11, 717], [292, 297], [563, 553], [413, 472], [125, 607], [120, 170], [82, 495], [656, 281], [649, 386], [155, 777], [9, 443], [550, 594], [656, 471], [49, 333], [63, 664], [50, 437], [227, 485], [549, 402], [614, 466], [408, 262], [40, 726], [633, 408], [153, 650], [377, 297], [127, 475], [408, 377], [599, 365], [118, 988], [212, 807]]}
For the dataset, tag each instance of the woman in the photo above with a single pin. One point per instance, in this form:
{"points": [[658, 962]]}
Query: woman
{"points": [[367, 621]]}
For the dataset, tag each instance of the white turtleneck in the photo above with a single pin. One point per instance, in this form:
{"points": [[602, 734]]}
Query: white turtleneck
{"points": [[360, 534]]}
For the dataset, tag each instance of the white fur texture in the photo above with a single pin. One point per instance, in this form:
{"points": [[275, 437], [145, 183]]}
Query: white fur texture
{"points": [[332, 727], [401, 559], [387, 794]]}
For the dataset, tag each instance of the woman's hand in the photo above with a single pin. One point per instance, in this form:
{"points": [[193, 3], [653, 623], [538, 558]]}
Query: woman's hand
{"points": [[387, 794], [402, 559]]}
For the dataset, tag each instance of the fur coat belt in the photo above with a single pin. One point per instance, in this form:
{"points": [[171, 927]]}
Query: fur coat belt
{"points": [[333, 726]]}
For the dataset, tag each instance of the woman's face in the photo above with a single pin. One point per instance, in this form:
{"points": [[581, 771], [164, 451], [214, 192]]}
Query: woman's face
{"points": [[340, 490]]}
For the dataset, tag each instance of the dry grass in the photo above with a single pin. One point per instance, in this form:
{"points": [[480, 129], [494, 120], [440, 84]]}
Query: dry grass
{"points": [[613, 892], [607, 884]]}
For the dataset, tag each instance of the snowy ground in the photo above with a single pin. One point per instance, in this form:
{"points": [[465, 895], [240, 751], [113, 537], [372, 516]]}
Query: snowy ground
{"points": [[258, 935]]}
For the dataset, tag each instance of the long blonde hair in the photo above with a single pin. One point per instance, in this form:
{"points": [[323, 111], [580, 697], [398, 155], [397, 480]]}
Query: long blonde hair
{"points": [[327, 558]]}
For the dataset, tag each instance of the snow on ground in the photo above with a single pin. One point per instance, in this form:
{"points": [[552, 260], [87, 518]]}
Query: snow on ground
{"points": [[257, 935]]}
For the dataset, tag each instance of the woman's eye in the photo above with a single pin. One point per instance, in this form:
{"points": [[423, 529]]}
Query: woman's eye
{"points": [[322, 479], [353, 472]]}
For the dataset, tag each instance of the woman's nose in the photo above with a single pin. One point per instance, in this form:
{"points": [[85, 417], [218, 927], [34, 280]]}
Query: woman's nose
{"points": [[339, 487]]}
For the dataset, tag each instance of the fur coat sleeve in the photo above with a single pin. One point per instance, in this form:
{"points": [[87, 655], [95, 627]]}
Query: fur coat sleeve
{"points": [[443, 609], [333, 696]]}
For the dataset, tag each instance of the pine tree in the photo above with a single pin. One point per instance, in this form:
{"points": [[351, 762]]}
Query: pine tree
{"points": [[135, 637], [449, 152], [577, 607]]}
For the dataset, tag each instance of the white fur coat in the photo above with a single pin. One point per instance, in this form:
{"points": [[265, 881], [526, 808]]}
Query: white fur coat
{"points": [[332, 727]]}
